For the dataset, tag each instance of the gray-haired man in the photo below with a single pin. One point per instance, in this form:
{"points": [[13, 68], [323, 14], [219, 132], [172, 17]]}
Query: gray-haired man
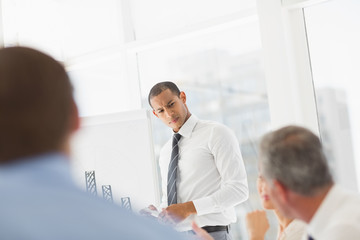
{"points": [[301, 186]]}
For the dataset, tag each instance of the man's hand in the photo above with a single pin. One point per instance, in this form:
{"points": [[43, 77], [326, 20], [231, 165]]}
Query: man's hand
{"points": [[201, 233], [177, 212], [257, 224], [149, 211]]}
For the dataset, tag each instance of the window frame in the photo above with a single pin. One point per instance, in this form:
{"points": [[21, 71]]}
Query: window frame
{"points": [[287, 62]]}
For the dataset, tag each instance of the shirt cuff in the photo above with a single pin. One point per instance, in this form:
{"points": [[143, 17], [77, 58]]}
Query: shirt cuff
{"points": [[204, 205]]}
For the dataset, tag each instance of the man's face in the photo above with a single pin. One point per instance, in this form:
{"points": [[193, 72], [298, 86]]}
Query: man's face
{"points": [[263, 190], [276, 194], [171, 109]]}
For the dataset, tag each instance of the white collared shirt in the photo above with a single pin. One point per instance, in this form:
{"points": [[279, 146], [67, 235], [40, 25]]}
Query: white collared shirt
{"points": [[338, 216], [294, 231], [211, 172]]}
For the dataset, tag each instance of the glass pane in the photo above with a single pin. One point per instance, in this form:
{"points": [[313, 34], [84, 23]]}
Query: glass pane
{"points": [[100, 88], [151, 18], [334, 36], [90, 25], [222, 75], [34, 24], [65, 29]]}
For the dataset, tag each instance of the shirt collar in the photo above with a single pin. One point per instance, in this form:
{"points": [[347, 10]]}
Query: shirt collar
{"points": [[323, 213], [188, 127]]}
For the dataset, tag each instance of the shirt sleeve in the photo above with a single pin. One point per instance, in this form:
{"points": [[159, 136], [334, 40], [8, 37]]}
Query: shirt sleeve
{"points": [[225, 148], [163, 173], [163, 203]]}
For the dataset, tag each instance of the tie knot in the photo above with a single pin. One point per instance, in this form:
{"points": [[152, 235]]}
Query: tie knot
{"points": [[177, 136]]}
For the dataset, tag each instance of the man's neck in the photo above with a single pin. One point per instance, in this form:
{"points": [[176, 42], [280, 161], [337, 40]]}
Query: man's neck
{"points": [[308, 206], [187, 118], [283, 221]]}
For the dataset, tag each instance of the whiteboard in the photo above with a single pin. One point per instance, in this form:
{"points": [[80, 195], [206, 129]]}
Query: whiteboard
{"points": [[119, 148]]}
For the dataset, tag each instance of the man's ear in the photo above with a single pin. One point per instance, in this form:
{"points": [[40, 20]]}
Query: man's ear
{"points": [[75, 119], [183, 97], [155, 114], [281, 190]]}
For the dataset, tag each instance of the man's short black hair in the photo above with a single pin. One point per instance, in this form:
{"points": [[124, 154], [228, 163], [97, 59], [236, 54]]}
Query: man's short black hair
{"points": [[162, 86]]}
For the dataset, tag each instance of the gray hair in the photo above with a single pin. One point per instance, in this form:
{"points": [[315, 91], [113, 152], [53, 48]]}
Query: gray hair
{"points": [[294, 156]]}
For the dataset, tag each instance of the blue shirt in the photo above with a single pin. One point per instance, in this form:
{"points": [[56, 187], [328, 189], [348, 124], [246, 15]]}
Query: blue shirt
{"points": [[38, 200]]}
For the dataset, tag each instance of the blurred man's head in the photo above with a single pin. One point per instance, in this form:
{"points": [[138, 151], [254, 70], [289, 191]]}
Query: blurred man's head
{"points": [[292, 160], [169, 104], [37, 110]]}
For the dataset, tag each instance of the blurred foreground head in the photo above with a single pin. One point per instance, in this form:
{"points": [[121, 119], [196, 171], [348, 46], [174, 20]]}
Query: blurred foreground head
{"points": [[37, 111]]}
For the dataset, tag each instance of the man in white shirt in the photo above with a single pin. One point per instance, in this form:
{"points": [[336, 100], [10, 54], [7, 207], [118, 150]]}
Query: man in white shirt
{"points": [[211, 177], [301, 186]]}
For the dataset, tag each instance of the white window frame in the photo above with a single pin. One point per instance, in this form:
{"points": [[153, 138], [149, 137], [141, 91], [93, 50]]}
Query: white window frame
{"points": [[287, 62], [286, 56], [132, 47]]}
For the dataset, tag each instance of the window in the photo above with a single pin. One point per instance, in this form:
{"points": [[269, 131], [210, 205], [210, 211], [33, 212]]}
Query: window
{"points": [[158, 17], [65, 29], [334, 50], [86, 36], [116, 50], [222, 74]]}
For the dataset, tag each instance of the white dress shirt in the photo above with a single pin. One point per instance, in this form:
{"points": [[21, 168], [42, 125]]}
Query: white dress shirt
{"points": [[211, 172], [338, 217], [294, 231]]}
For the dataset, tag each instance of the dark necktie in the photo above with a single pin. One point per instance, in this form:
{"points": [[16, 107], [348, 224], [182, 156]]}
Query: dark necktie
{"points": [[310, 238], [172, 171]]}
